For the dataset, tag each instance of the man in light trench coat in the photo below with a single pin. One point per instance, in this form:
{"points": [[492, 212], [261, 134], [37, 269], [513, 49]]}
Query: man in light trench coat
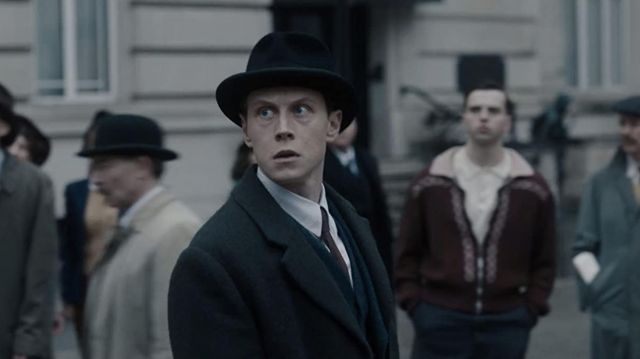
{"points": [[608, 245], [126, 306]]}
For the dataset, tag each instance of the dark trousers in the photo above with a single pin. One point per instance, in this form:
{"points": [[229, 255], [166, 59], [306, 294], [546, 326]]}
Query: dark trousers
{"points": [[445, 333]]}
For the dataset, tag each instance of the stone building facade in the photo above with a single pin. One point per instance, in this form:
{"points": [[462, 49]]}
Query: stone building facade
{"points": [[64, 59]]}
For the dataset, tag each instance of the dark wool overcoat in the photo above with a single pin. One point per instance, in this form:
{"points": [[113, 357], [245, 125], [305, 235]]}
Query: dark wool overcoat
{"points": [[364, 191], [28, 253], [250, 285]]}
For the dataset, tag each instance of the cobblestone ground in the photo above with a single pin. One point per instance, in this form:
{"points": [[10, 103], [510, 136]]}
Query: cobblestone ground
{"points": [[563, 334]]}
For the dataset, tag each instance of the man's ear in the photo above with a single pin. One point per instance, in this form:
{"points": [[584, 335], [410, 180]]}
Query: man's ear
{"points": [[335, 119], [245, 137]]}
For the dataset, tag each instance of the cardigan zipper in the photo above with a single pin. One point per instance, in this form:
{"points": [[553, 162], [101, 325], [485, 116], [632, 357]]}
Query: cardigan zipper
{"points": [[479, 280]]}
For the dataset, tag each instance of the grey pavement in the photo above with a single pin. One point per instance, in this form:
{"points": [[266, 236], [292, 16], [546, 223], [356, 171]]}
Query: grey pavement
{"points": [[563, 334]]}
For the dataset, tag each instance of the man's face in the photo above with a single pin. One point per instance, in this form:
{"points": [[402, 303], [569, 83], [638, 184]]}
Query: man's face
{"points": [[20, 148], [288, 129], [485, 117], [630, 135], [4, 128], [346, 137], [119, 179]]}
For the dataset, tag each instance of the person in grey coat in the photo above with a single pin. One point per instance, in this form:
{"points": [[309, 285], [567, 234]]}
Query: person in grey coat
{"points": [[608, 231], [28, 250]]}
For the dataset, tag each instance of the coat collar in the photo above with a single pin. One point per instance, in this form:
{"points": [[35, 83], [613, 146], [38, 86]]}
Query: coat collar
{"points": [[616, 170], [8, 177], [301, 262], [442, 165], [151, 208]]}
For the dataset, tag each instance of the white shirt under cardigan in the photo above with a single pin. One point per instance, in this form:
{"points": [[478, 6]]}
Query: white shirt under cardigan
{"points": [[307, 213], [480, 186]]}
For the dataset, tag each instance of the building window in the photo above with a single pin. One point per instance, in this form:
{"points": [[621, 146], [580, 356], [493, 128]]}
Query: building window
{"points": [[596, 38], [73, 45]]}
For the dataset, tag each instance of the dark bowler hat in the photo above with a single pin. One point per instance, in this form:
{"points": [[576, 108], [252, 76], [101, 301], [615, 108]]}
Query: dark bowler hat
{"points": [[288, 59], [630, 106], [128, 135]]}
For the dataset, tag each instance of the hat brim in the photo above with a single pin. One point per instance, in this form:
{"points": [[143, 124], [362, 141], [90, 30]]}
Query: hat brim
{"points": [[629, 106], [232, 92], [139, 150]]}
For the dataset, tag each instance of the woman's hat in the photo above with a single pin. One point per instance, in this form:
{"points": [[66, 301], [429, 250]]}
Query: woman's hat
{"points": [[288, 59], [129, 135]]}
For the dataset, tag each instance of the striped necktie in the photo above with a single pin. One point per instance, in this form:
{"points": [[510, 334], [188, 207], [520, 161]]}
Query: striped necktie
{"points": [[325, 236]]}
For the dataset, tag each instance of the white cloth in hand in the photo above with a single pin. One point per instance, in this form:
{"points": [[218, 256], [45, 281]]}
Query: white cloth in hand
{"points": [[587, 266]]}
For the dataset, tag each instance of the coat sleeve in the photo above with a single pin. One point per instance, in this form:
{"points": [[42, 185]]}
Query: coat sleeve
{"points": [[543, 261], [587, 234], [409, 251], [33, 333], [163, 260], [588, 238], [208, 317]]}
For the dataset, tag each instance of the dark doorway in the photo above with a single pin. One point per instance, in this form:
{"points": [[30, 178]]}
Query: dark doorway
{"points": [[344, 28]]}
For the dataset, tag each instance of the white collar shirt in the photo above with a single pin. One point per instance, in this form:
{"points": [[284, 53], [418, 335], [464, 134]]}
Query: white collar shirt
{"points": [[306, 213], [347, 158], [127, 216], [480, 186]]}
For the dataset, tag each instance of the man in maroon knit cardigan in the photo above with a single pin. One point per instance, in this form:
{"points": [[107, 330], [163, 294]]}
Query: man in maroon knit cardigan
{"points": [[474, 263]]}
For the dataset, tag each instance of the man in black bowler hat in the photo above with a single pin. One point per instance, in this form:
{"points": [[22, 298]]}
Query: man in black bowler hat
{"points": [[28, 249], [125, 310], [607, 245], [286, 268]]}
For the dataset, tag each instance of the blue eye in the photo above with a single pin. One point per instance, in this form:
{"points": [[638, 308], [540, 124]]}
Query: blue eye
{"points": [[300, 110], [265, 113]]}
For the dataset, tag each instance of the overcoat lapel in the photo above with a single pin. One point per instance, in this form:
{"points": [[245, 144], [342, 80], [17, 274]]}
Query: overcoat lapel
{"points": [[120, 235], [299, 260], [361, 231], [624, 186]]}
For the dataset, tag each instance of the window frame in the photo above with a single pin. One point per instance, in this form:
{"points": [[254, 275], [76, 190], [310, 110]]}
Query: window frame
{"points": [[582, 54], [69, 54]]}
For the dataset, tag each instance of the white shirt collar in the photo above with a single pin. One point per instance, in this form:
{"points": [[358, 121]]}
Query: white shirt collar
{"points": [[632, 169], [346, 156], [303, 210], [127, 217], [464, 167]]}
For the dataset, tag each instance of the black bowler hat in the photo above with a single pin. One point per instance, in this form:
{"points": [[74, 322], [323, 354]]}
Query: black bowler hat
{"points": [[630, 106], [128, 135], [288, 59]]}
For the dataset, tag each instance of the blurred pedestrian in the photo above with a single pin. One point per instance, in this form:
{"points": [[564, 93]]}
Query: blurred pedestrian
{"points": [[126, 304], [286, 268], [244, 159], [88, 220], [28, 249], [30, 144], [608, 230], [353, 172], [474, 266]]}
